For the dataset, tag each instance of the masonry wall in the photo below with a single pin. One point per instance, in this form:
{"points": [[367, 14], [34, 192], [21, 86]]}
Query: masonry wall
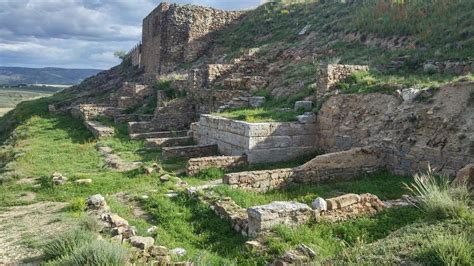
{"points": [[437, 129], [261, 142], [336, 166], [174, 34], [329, 75]]}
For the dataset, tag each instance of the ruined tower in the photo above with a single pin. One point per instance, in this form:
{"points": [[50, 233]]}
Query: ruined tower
{"points": [[174, 34]]}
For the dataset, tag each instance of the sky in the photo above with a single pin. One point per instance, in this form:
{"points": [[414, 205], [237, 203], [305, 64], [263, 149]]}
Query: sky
{"points": [[78, 33]]}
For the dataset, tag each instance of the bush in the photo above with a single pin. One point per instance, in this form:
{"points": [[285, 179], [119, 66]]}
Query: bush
{"points": [[210, 174], [77, 204], [439, 198], [450, 250], [97, 252], [66, 244]]}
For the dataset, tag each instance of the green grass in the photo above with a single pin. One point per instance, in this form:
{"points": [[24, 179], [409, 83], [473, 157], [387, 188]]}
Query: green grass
{"points": [[383, 184], [371, 82], [261, 115]]}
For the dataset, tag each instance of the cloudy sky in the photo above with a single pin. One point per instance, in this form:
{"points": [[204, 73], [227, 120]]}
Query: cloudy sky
{"points": [[78, 33]]}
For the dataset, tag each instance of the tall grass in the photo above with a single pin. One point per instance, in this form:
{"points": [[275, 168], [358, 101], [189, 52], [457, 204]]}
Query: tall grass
{"points": [[66, 243], [450, 250], [440, 198]]}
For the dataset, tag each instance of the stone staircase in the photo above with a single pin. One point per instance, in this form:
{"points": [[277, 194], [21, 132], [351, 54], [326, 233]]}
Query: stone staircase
{"points": [[156, 143], [158, 135]]}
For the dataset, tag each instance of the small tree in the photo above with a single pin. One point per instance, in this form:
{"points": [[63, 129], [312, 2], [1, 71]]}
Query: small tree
{"points": [[120, 54]]}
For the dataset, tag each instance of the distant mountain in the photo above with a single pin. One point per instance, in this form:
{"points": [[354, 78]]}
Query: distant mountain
{"points": [[47, 75]]}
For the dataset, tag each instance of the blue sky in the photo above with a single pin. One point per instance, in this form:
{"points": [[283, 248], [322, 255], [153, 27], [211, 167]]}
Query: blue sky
{"points": [[78, 33]]}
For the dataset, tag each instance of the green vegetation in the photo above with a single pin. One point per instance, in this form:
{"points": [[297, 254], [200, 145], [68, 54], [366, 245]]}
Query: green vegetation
{"points": [[81, 247], [441, 199], [370, 82], [261, 115], [383, 184]]}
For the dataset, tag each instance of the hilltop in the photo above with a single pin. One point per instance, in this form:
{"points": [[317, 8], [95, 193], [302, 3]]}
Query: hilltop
{"points": [[298, 133], [46, 75]]}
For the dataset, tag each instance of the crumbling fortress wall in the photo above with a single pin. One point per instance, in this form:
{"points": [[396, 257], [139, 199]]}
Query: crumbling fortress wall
{"points": [[174, 34]]}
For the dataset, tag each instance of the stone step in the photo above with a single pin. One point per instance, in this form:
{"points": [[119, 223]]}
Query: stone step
{"points": [[156, 143], [158, 134], [193, 151], [99, 130]]}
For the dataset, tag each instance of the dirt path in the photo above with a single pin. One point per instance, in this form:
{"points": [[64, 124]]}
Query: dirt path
{"points": [[21, 227]]}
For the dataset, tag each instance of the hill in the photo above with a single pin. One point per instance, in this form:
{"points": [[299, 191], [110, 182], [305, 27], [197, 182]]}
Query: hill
{"points": [[47, 75]]}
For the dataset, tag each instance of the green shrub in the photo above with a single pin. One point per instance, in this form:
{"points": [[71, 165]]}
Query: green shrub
{"points": [[97, 252], [210, 174], [77, 204], [438, 197], [449, 250], [66, 244]]}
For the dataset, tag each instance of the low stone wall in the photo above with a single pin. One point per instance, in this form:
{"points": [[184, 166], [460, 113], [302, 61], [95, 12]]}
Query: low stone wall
{"points": [[261, 142], [194, 151], [99, 130], [329, 75], [260, 181], [336, 166], [339, 166], [90, 111], [125, 118], [209, 100], [196, 165], [156, 143], [277, 213]]}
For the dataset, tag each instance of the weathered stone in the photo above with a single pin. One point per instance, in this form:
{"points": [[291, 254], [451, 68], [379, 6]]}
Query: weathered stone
{"points": [[99, 130], [125, 231], [287, 213], [96, 202], [165, 178], [59, 179], [307, 118], [142, 242], [195, 165], [83, 181], [466, 176], [115, 220], [342, 201], [410, 94], [157, 251], [178, 251], [256, 102], [319, 204], [307, 106]]}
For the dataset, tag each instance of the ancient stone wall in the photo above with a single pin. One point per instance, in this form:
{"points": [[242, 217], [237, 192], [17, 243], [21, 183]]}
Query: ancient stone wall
{"points": [[208, 101], [196, 165], [260, 181], [328, 76], [336, 166], [203, 77], [135, 55], [436, 129], [174, 34], [90, 111], [261, 142], [195, 151], [340, 166]]}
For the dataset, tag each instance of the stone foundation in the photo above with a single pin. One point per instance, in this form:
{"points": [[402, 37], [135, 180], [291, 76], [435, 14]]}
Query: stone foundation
{"points": [[159, 134], [261, 142], [90, 111], [196, 165], [336, 166], [167, 142], [277, 213], [260, 181], [329, 75], [195, 151], [99, 130]]}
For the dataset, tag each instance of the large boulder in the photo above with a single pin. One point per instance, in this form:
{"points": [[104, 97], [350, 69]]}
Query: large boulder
{"points": [[466, 176], [142, 242]]}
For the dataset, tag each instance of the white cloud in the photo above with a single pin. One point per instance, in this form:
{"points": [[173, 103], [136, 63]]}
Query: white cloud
{"points": [[77, 33]]}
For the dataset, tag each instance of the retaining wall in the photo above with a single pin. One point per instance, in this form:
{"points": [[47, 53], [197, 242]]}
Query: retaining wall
{"points": [[196, 165], [261, 142]]}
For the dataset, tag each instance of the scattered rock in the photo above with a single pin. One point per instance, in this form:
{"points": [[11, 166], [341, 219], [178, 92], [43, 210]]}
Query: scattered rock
{"points": [[83, 181], [342, 201], [307, 106], [165, 178], [178, 251], [148, 170], [466, 176], [142, 242], [151, 229], [59, 179], [115, 220], [304, 30], [254, 245], [156, 251], [157, 167], [307, 118], [96, 202], [319, 204], [410, 94]]}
